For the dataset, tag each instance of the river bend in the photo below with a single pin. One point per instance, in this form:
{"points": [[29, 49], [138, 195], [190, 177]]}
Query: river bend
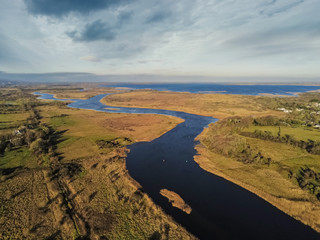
{"points": [[220, 209]]}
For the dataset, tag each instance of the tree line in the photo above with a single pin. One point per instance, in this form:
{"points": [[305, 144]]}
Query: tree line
{"points": [[38, 137], [311, 146], [223, 138]]}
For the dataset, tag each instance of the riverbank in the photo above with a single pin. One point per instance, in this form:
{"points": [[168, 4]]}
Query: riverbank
{"points": [[300, 208]]}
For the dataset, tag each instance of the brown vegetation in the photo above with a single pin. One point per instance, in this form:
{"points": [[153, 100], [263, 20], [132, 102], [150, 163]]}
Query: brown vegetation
{"points": [[80, 91], [176, 200], [215, 105], [80, 188]]}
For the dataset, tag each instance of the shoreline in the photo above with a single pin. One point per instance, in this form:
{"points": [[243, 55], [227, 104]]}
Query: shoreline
{"points": [[216, 83], [218, 114], [136, 185], [176, 200], [287, 206]]}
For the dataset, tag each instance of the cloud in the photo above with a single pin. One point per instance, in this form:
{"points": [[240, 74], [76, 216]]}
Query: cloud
{"points": [[275, 9], [13, 53], [278, 40], [91, 58], [148, 61], [124, 17], [59, 8], [6, 53], [95, 31], [100, 30], [158, 16], [190, 37]]}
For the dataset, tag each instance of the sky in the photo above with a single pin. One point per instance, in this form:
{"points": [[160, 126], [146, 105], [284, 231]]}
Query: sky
{"points": [[112, 40]]}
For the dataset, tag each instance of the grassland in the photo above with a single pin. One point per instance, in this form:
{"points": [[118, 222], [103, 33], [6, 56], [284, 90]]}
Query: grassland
{"points": [[215, 105], [300, 133], [276, 181], [81, 141], [81, 92], [271, 184], [84, 192]]}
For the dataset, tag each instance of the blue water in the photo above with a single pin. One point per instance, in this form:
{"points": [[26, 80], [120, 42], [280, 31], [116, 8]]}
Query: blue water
{"points": [[220, 209], [221, 88]]}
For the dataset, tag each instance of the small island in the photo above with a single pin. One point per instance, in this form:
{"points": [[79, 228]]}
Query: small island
{"points": [[176, 200]]}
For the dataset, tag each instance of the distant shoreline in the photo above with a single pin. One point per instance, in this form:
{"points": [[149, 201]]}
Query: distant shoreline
{"points": [[203, 88]]}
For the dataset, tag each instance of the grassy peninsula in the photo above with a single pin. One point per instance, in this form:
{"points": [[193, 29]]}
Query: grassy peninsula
{"points": [[215, 105]]}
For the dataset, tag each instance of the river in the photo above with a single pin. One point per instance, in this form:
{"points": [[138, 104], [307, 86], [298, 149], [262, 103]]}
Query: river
{"points": [[220, 209]]}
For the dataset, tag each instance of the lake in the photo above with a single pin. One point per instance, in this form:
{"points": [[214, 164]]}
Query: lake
{"points": [[220, 88]]}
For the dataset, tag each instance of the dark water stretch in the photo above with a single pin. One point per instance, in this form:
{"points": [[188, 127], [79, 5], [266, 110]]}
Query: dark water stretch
{"points": [[221, 88], [220, 209]]}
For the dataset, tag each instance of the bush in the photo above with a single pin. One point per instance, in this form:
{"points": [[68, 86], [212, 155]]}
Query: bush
{"points": [[38, 146]]}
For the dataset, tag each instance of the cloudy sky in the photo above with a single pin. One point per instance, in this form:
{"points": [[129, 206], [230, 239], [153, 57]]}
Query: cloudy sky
{"points": [[208, 38]]}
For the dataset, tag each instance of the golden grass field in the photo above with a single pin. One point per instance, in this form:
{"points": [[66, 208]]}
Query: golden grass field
{"points": [[89, 192], [76, 94], [84, 127], [215, 105]]}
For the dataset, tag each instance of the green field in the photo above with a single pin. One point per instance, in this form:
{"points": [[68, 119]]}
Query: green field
{"points": [[19, 157], [263, 159], [299, 133]]}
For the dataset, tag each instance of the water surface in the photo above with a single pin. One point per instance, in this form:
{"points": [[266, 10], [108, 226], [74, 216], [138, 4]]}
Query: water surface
{"points": [[221, 88]]}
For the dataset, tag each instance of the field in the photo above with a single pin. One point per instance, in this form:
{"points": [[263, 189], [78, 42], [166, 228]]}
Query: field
{"points": [[283, 180], [299, 133], [85, 93], [78, 187], [81, 141], [215, 105]]}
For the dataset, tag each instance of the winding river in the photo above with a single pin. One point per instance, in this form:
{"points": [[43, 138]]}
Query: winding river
{"points": [[220, 209]]}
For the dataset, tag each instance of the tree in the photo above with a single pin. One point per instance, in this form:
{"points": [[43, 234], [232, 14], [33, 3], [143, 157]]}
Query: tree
{"points": [[30, 137], [3, 144], [38, 146]]}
